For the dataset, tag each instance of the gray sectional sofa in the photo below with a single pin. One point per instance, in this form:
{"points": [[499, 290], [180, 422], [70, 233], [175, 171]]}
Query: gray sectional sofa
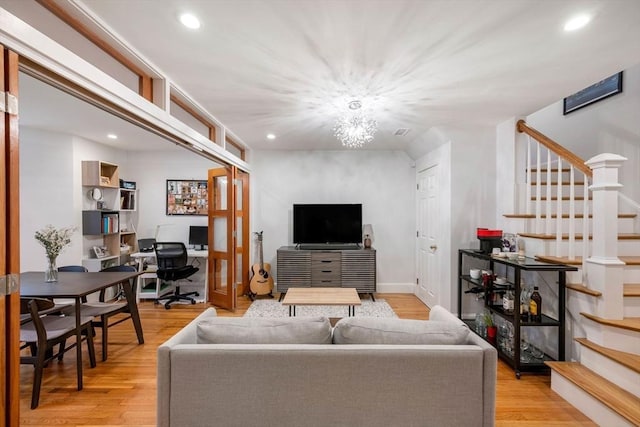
{"points": [[301, 372]]}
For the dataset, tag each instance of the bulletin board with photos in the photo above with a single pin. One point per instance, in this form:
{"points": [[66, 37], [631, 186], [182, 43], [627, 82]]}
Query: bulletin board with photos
{"points": [[187, 197]]}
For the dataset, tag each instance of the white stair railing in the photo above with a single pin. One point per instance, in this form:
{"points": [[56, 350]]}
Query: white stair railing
{"points": [[556, 155]]}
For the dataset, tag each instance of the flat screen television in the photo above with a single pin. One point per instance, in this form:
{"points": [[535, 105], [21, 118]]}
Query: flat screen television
{"points": [[198, 236], [327, 223]]}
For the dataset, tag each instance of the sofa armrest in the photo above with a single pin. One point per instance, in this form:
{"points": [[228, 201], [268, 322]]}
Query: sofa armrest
{"points": [[490, 377], [186, 335]]}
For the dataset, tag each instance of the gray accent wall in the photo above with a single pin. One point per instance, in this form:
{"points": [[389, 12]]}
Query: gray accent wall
{"points": [[383, 181]]}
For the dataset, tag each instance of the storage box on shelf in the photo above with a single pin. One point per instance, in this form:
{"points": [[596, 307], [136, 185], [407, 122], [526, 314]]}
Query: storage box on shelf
{"points": [[486, 289], [99, 174]]}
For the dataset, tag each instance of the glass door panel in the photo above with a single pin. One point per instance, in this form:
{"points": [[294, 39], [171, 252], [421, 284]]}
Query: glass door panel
{"points": [[222, 255]]}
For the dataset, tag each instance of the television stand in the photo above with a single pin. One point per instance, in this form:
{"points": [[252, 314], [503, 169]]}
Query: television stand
{"points": [[302, 267]]}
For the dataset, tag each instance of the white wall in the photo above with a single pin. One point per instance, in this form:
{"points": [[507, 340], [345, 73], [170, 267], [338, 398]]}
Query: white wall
{"points": [[51, 192], [468, 195], [607, 126], [383, 181], [150, 171], [51, 189]]}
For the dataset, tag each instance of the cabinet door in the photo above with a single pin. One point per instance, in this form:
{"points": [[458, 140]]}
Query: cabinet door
{"points": [[359, 270], [294, 269]]}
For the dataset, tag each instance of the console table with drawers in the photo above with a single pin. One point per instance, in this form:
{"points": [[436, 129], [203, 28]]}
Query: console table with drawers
{"points": [[326, 268]]}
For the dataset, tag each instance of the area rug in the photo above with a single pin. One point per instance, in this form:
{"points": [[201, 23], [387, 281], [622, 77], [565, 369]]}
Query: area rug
{"points": [[274, 308]]}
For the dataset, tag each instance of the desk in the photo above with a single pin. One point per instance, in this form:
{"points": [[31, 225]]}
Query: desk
{"points": [[77, 286], [191, 253]]}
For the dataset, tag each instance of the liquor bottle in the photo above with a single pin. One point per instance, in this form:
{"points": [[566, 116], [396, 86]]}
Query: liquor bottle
{"points": [[507, 302], [535, 306]]}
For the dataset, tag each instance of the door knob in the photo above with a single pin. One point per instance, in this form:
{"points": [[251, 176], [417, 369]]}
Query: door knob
{"points": [[433, 247]]}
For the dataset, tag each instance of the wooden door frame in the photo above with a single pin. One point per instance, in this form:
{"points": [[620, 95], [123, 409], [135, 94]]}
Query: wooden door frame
{"points": [[10, 243], [236, 245], [243, 250], [227, 299]]}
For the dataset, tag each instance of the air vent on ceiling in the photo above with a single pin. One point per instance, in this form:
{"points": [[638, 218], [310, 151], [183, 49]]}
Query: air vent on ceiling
{"points": [[401, 131]]}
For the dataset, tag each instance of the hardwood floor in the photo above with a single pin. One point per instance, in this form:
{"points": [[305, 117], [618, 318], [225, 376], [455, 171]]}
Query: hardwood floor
{"points": [[122, 390]]}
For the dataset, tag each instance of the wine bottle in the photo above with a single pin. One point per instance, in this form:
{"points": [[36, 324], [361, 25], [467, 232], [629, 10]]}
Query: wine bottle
{"points": [[535, 306]]}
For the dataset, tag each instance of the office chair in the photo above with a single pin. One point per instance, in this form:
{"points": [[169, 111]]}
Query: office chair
{"points": [[41, 331], [172, 266]]}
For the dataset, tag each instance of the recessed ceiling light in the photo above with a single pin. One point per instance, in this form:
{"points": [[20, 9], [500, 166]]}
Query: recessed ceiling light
{"points": [[577, 22], [112, 136], [271, 136], [190, 21]]}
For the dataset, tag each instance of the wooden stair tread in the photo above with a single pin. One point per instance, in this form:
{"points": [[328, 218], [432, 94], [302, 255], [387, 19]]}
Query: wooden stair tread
{"points": [[629, 323], [556, 183], [565, 236], [566, 216], [631, 290], [630, 360], [581, 288], [552, 170], [614, 397], [628, 260], [544, 198]]}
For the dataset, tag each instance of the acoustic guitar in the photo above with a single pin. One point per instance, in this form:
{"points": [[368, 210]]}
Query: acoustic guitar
{"points": [[261, 280]]}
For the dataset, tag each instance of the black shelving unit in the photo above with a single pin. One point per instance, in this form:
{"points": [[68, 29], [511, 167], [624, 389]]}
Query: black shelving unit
{"points": [[516, 267]]}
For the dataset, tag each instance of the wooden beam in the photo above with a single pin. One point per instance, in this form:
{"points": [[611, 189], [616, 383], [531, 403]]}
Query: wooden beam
{"points": [[196, 115], [144, 79]]}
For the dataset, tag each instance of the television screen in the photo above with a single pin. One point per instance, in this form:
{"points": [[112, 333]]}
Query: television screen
{"points": [[327, 223], [199, 236]]}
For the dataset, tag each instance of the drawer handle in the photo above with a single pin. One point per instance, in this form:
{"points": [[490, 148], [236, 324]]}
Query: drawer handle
{"points": [[326, 260], [326, 271]]}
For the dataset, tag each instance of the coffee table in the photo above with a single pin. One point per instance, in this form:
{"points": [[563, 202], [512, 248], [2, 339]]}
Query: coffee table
{"points": [[321, 296]]}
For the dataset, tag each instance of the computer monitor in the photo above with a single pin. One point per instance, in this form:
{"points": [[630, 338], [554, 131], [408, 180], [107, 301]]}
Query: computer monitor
{"points": [[198, 236]]}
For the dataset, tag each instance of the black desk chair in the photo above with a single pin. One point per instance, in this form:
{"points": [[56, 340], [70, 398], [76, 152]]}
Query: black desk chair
{"points": [[41, 331], [172, 266]]}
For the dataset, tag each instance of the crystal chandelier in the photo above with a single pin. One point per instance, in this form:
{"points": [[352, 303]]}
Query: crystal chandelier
{"points": [[353, 129]]}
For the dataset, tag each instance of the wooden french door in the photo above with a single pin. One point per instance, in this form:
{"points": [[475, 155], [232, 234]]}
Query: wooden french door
{"points": [[229, 236], [9, 241]]}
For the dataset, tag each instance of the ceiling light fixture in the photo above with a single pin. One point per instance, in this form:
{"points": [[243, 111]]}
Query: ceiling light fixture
{"points": [[354, 129], [577, 22], [271, 136], [190, 21], [112, 136]]}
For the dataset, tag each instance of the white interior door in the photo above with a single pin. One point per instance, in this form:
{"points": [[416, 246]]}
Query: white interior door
{"points": [[428, 255]]}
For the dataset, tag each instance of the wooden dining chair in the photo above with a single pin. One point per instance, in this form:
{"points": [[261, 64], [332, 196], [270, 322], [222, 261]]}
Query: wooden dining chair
{"points": [[102, 310], [41, 331]]}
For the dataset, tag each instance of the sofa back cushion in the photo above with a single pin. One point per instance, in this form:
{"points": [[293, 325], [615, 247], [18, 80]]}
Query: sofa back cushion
{"points": [[361, 330], [251, 330]]}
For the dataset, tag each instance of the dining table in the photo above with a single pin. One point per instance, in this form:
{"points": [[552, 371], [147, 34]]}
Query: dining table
{"points": [[79, 285]]}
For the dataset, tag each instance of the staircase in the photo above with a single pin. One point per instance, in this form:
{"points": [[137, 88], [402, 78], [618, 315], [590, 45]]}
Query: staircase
{"points": [[577, 221]]}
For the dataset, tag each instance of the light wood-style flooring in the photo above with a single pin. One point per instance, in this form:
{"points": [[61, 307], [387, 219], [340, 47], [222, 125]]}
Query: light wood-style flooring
{"points": [[122, 390]]}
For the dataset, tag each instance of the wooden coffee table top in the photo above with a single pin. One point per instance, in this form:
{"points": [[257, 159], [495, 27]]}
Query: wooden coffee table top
{"points": [[321, 296]]}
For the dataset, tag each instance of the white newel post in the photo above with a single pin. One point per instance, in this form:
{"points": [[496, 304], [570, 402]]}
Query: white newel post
{"points": [[604, 268]]}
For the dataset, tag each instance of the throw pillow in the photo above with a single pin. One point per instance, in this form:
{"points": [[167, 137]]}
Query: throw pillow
{"points": [[247, 330], [360, 330]]}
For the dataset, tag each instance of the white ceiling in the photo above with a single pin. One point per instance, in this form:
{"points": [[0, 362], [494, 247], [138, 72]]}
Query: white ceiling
{"points": [[288, 67]]}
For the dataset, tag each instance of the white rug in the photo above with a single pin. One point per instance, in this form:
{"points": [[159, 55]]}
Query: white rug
{"points": [[273, 308]]}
